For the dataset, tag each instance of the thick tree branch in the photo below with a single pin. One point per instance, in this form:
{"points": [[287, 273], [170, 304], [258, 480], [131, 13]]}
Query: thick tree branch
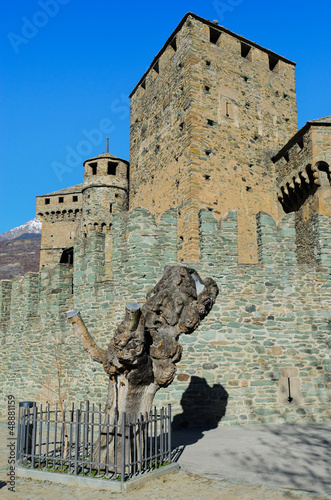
{"points": [[90, 346]]}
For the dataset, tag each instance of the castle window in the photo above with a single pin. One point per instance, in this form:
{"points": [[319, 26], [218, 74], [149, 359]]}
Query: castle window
{"points": [[93, 168], [207, 89], [47, 201], [286, 157], [208, 63], [229, 110], [67, 256], [300, 143], [61, 199], [75, 198], [156, 67], [111, 170], [214, 35], [173, 44], [273, 63], [110, 208], [211, 123], [143, 84], [246, 51]]}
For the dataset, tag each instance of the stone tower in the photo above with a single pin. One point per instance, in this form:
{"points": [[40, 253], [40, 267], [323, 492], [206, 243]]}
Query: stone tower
{"points": [[105, 191], [303, 179], [206, 118], [86, 207]]}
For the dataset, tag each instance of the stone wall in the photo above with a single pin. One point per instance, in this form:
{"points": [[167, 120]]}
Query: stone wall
{"points": [[269, 327]]}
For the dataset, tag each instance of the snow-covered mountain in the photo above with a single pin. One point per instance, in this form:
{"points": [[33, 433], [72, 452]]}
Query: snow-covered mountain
{"points": [[31, 228]]}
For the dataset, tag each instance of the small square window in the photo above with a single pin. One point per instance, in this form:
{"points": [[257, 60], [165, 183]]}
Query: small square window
{"points": [[93, 168], [246, 51], [112, 165], [214, 35], [47, 201], [273, 63], [75, 198], [61, 199]]}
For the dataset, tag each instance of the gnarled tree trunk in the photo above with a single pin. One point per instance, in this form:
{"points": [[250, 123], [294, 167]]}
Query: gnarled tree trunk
{"points": [[141, 357]]}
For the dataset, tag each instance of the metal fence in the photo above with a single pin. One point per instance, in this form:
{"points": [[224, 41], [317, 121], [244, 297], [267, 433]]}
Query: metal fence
{"points": [[82, 441]]}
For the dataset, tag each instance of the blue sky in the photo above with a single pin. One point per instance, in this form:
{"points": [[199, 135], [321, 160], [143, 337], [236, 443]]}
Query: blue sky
{"points": [[68, 66]]}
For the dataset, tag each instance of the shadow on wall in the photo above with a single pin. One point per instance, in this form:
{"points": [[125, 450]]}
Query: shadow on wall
{"points": [[203, 406]]}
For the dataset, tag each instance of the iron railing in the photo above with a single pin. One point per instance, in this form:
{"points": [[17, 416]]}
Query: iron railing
{"points": [[82, 441]]}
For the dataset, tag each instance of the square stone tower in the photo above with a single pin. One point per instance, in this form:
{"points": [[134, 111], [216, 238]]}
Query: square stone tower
{"points": [[206, 118]]}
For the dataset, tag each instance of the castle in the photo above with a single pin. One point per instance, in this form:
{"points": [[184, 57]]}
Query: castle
{"points": [[219, 179]]}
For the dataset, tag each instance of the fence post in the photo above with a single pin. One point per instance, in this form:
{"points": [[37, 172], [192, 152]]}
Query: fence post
{"points": [[77, 436], [169, 432], [123, 449], [27, 428], [34, 432]]}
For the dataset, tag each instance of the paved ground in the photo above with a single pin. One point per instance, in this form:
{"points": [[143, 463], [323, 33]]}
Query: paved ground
{"points": [[297, 457], [248, 462]]}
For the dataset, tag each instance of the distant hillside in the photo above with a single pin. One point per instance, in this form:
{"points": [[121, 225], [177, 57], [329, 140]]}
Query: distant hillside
{"points": [[17, 257], [20, 250], [27, 236]]}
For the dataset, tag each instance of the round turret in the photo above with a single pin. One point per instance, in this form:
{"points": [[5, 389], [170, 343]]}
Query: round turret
{"points": [[105, 191]]}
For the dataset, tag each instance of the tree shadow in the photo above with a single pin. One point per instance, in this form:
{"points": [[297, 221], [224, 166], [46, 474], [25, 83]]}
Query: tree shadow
{"points": [[306, 463], [203, 408]]}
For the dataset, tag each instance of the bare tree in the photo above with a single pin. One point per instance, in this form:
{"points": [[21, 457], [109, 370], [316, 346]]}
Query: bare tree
{"points": [[141, 357]]}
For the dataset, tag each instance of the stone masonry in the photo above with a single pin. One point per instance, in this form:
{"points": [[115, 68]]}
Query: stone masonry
{"points": [[220, 180], [206, 118], [82, 209]]}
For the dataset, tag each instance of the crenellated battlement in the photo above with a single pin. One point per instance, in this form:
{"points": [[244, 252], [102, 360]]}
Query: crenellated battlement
{"points": [[137, 245], [71, 214], [218, 240]]}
